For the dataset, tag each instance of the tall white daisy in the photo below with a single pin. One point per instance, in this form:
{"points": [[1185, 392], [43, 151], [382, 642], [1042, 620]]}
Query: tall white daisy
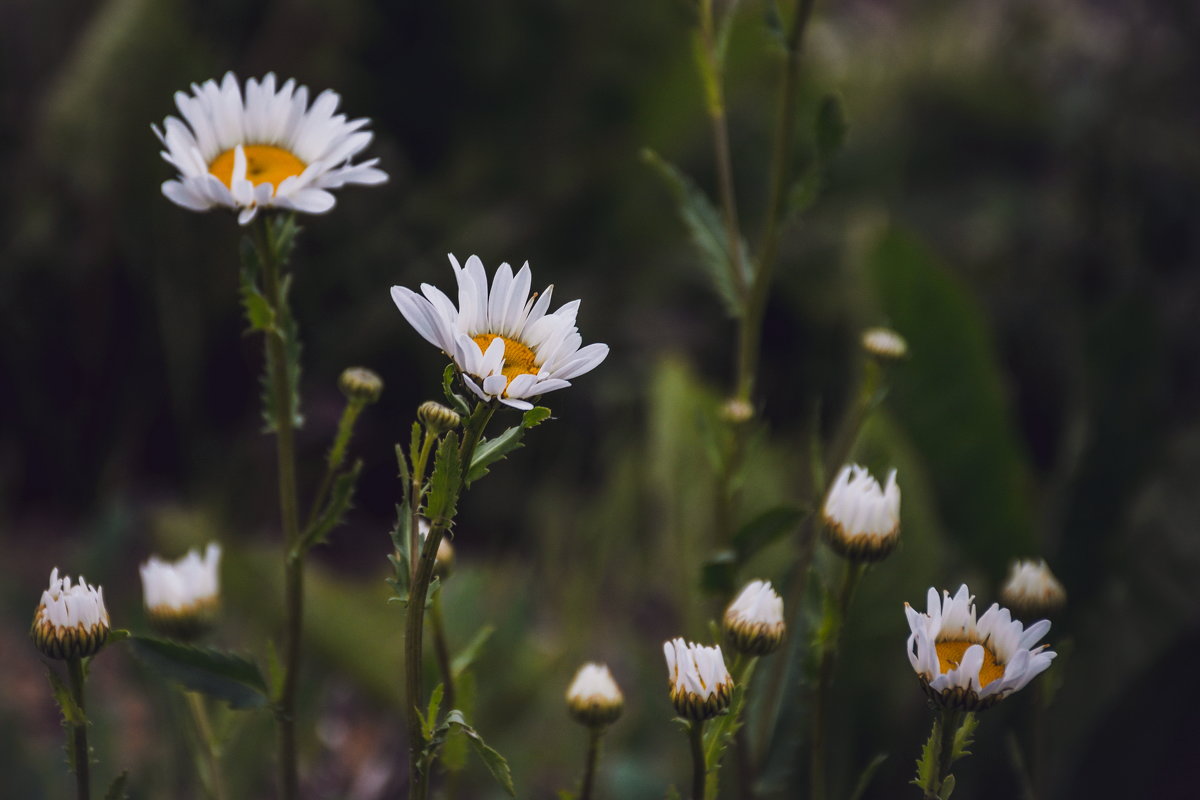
{"points": [[973, 664], [701, 686], [505, 342], [265, 149], [862, 518]]}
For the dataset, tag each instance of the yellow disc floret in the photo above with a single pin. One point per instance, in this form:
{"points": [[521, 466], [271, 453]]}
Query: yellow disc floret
{"points": [[950, 655], [518, 359], [264, 164]]}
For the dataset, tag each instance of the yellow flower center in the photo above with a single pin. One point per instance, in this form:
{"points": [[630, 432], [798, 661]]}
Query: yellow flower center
{"points": [[950, 655], [518, 359], [264, 164]]}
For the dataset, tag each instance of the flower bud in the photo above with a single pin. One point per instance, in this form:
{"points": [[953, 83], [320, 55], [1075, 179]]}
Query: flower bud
{"points": [[862, 520], [437, 418], [884, 343], [753, 623], [360, 385], [70, 621], [701, 687], [593, 698], [1032, 591], [737, 411], [181, 597]]}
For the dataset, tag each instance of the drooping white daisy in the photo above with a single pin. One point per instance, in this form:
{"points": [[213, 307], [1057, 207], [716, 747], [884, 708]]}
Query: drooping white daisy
{"points": [[505, 342], [753, 622], [181, 596], [862, 519], [593, 698], [266, 149], [1032, 590], [973, 664], [701, 686], [71, 620]]}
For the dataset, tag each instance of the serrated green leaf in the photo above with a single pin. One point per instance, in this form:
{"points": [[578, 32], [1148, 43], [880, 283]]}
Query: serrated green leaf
{"points": [[927, 766], [446, 480], [456, 401], [465, 657], [429, 721], [707, 231], [490, 451], [764, 529], [831, 127], [492, 759], [72, 714], [224, 676], [963, 737], [414, 444], [116, 790], [341, 497], [535, 416]]}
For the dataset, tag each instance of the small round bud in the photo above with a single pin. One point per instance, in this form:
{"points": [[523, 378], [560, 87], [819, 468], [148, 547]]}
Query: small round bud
{"points": [[1032, 591], [862, 519], [737, 411], [437, 418], [70, 621], [593, 698], [884, 343], [701, 687], [182, 597], [753, 623], [360, 385]]}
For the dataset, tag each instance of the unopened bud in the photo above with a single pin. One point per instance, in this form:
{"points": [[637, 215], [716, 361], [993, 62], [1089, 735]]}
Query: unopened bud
{"points": [[737, 411], [360, 385], [70, 621], [182, 597], [1032, 591], [701, 687], [593, 697], [753, 623], [862, 519], [437, 418]]}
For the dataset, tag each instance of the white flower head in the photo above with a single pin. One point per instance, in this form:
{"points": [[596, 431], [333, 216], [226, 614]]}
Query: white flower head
{"points": [[753, 622], [505, 341], [884, 343], [71, 620], [862, 519], [973, 664], [1032, 590], [265, 148], [181, 597], [593, 698], [701, 686]]}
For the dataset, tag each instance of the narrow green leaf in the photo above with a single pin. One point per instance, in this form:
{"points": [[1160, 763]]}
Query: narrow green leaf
{"points": [[864, 778], [465, 657], [490, 451], [402, 465], [456, 401], [341, 497], [947, 788], [764, 529], [116, 790], [72, 714], [446, 480], [723, 29], [831, 127], [493, 760], [927, 764], [429, 721], [223, 676], [963, 737]]}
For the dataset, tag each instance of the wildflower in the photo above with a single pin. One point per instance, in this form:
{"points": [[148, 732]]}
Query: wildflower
{"points": [[753, 622], [437, 418], [181, 597], [1032, 590], [593, 698], [268, 149], [862, 520], [505, 344], [701, 687], [972, 664], [360, 385], [884, 343], [70, 621]]}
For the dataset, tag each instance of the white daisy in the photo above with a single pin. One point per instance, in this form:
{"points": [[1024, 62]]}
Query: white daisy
{"points": [[968, 663], [268, 149], [593, 698], [1033, 590], [70, 621], [179, 587], [862, 519], [505, 343], [701, 686], [754, 620]]}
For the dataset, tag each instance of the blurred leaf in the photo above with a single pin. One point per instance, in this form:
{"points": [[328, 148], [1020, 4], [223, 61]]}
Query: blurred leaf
{"points": [[463, 660], [446, 480], [707, 231], [116, 790], [429, 721], [723, 28], [773, 20], [341, 497], [805, 190], [864, 778], [831, 127], [259, 313], [223, 676], [275, 672], [765, 529], [951, 399], [117, 635], [72, 714], [492, 759], [718, 575]]}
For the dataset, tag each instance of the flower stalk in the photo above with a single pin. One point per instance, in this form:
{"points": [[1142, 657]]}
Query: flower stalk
{"points": [[210, 749], [81, 754], [699, 766], [589, 764], [829, 637]]}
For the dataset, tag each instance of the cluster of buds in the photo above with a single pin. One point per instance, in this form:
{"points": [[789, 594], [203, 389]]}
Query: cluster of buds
{"points": [[862, 519], [181, 597], [593, 698], [700, 685], [753, 623], [71, 620], [1032, 590]]}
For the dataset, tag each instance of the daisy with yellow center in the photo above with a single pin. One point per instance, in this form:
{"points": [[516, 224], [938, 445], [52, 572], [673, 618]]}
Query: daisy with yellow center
{"points": [[968, 663], [265, 149], [504, 341]]}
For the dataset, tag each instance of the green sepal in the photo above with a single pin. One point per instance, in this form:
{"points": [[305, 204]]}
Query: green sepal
{"points": [[224, 676]]}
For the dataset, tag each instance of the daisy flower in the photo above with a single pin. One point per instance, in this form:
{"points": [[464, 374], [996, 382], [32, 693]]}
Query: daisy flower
{"points": [[862, 519], [972, 664], [701, 686], [267, 148], [753, 622], [181, 597], [70, 621], [505, 342]]}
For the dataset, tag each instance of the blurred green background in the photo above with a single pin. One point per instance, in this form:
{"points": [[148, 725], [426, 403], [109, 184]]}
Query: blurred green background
{"points": [[1017, 196]]}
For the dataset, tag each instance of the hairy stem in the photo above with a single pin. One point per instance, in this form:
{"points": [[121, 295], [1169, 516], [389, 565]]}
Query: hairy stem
{"points": [[696, 738], [79, 742], [441, 650]]}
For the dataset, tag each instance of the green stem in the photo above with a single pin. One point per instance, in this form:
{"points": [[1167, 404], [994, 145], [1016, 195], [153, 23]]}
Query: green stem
{"points": [[947, 726], [208, 743], [288, 511], [414, 625], [441, 650], [336, 456], [589, 766], [696, 738], [79, 742], [833, 624], [414, 505]]}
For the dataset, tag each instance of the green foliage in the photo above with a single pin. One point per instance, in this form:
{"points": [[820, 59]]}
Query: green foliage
{"points": [[708, 234], [864, 778], [399, 557], [340, 501], [72, 714], [765, 529], [116, 790], [223, 676], [429, 718], [492, 450], [259, 313], [963, 737], [495, 762], [467, 656], [927, 764], [445, 483], [453, 398]]}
